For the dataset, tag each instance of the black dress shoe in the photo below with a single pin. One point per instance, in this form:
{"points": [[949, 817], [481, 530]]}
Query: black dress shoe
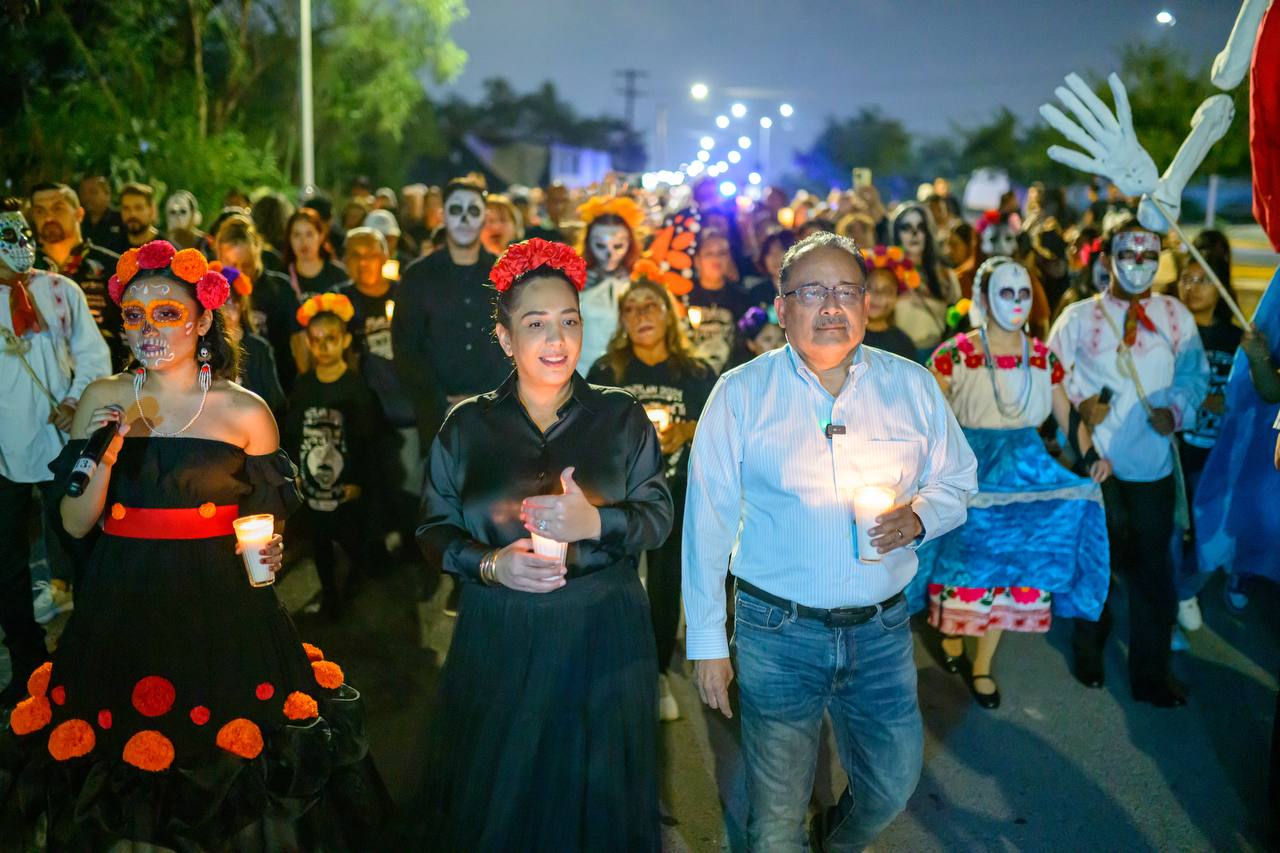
{"points": [[989, 701], [1089, 674], [949, 663], [1170, 693]]}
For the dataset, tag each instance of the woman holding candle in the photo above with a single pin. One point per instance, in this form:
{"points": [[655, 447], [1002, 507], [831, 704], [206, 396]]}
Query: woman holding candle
{"points": [[1036, 536], [650, 358], [544, 738], [181, 709]]}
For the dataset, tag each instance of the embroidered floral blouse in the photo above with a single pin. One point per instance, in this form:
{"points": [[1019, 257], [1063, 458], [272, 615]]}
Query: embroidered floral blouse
{"points": [[973, 393]]}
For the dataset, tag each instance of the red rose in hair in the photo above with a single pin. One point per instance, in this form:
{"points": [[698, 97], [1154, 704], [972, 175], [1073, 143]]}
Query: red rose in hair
{"points": [[525, 257], [115, 289], [156, 255], [213, 290]]}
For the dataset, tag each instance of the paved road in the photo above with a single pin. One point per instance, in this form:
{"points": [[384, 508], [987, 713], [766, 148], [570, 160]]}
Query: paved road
{"points": [[1056, 767]]}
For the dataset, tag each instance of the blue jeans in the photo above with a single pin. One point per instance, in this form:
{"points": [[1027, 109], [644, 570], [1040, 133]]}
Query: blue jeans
{"points": [[790, 671]]}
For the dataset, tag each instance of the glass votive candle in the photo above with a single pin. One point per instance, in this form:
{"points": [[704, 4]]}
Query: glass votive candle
{"points": [[254, 532], [869, 502], [659, 417], [550, 548]]}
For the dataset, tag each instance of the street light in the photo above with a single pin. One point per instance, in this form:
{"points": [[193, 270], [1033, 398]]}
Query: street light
{"points": [[722, 122], [785, 110], [722, 166], [754, 178], [1165, 18], [707, 143], [744, 142], [703, 155], [699, 91], [695, 169], [735, 157], [766, 122], [738, 110], [728, 188]]}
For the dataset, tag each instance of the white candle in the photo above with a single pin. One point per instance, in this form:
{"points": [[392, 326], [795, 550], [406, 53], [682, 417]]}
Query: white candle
{"points": [[695, 317], [659, 417], [391, 309], [544, 547], [869, 502], [391, 270], [254, 532]]}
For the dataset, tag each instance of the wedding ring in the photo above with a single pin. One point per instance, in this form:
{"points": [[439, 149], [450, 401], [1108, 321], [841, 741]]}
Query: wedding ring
{"points": [[542, 525], [899, 534]]}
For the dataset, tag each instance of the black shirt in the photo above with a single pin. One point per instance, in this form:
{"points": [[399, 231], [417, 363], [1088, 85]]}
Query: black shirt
{"points": [[91, 266], [490, 456], [1220, 342], [258, 371], [275, 309], [108, 232], [443, 330], [370, 330], [892, 340], [683, 396], [715, 334], [330, 433], [331, 275]]}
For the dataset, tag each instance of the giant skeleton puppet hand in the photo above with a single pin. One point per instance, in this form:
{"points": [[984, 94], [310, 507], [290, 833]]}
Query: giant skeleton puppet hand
{"points": [[1111, 147]]}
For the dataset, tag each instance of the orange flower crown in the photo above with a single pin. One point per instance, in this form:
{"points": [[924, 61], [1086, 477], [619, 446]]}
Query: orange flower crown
{"points": [[160, 257], [621, 206], [239, 281], [325, 303], [895, 260]]}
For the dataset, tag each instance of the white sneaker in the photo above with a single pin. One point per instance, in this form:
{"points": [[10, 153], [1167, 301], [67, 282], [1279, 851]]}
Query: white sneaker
{"points": [[50, 601], [1189, 614], [668, 710], [1179, 643]]}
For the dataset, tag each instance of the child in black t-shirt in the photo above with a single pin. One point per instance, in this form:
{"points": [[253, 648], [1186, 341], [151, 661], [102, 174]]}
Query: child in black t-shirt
{"points": [[884, 283], [330, 432]]}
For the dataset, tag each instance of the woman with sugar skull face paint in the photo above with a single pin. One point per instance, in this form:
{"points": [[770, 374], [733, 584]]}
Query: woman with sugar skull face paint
{"points": [[610, 248], [1036, 536], [173, 660]]}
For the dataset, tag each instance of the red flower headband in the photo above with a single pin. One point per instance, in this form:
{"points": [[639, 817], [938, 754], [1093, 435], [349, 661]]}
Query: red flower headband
{"points": [[188, 265], [522, 258]]}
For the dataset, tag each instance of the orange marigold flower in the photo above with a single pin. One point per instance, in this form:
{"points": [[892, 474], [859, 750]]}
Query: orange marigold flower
{"points": [[328, 674], [313, 652], [38, 681], [127, 266], [149, 750], [241, 737], [300, 706], [153, 696], [896, 253], [71, 739], [189, 265], [30, 715]]}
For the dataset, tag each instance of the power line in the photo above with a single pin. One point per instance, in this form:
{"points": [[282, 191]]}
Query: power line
{"points": [[629, 91]]}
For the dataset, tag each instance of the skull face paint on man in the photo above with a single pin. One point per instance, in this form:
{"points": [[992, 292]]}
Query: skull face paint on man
{"points": [[158, 323], [180, 212], [1135, 258], [1009, 295], [464, 217], [609, 244], [17, 249]]}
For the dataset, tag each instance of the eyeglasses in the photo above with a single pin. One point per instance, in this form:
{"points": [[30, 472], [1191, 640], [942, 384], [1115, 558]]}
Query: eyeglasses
{"points": [[1194, 281], [816, 294]]}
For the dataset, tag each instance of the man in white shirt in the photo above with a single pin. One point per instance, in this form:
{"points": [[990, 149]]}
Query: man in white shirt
{"points": [[1137, 372], [783, 443], [50, 350]]}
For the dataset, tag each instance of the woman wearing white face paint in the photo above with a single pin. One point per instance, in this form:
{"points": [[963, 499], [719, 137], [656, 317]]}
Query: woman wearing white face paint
{"points": [[610, 248], [176, 676], [1036, 536], [544, 737], [182, 221]]}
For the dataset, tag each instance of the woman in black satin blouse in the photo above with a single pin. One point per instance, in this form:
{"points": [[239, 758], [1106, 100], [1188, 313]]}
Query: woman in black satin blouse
{"points": [[544, 737]]}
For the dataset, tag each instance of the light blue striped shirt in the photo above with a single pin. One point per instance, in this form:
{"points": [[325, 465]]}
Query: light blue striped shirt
{"points": [[771, 493]]}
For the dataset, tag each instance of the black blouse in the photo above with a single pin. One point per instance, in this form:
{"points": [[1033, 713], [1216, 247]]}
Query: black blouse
{"points": [[489, 456]]}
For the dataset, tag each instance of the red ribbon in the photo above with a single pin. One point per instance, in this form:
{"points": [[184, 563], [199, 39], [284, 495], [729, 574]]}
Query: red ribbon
{"points": [[1132, 318], [21, 309], [205, 522]]}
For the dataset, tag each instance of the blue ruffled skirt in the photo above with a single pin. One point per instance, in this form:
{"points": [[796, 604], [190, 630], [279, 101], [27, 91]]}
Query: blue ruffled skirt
{"points": [[1033, 523]]}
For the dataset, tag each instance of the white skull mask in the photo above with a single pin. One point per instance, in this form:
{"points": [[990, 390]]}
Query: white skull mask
{"points": [[464, 217], [1101, 276], [1135, 260], [609, 245], [912, 233], [999, 239], [16, 247], [1009, 295], [180, 212]]}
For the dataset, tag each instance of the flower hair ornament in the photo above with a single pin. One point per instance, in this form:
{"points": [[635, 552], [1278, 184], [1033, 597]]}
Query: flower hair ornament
{"points": [[520, 259], [893, 259], [159, 257], [669, 260], [239, 281], [623, 207], [325, 303]]}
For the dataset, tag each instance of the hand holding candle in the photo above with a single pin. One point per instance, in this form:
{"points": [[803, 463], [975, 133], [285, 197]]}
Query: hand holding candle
{"points": [[895, 528], [260, 547], [659, 417], [563, 518]]}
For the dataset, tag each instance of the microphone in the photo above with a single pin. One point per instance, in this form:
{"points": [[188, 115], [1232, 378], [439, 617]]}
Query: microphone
{"points": [[834, 429], [96, 445], [1105, 396]]}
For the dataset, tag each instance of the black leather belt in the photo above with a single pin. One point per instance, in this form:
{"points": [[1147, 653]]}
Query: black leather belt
{"points": [[839, 617]]}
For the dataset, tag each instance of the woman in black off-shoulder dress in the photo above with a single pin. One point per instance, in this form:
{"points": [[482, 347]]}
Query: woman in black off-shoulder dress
{"points": [[545, 735]]}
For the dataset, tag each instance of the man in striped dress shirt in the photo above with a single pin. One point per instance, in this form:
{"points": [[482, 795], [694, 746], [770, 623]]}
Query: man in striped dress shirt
{"points": [[782, 445]]}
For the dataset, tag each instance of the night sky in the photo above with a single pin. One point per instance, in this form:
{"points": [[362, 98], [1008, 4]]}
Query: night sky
{"points": [[927, 62]]}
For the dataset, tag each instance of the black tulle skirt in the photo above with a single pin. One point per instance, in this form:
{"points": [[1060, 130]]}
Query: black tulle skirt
{"points": [[546, 733]]}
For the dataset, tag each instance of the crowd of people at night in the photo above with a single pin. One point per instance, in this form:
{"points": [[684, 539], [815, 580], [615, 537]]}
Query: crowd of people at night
{"points": [[633, 429]]}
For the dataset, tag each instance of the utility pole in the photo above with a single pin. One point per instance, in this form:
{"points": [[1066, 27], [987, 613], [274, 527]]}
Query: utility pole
{"points": [[629, 91]]}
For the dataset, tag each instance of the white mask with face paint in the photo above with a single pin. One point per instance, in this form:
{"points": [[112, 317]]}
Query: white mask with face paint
{"points": [[464, 217], [180, 212], [609, 245], [1101, 276], [1135, 259], [1009, 295], [16, 247], [999, 239]]}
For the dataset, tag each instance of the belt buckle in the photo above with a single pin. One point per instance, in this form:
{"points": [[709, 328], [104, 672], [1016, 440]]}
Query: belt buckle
{"points": [[847, 617]]}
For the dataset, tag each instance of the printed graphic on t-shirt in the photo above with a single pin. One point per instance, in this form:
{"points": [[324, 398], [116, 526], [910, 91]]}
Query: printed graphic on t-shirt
{"points": [[714, 335], [663, 398], [1209, 424], [377, 337], [323, 451]]}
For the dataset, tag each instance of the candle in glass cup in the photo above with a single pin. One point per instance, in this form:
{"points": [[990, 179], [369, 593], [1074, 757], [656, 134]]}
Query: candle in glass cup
{"points": [[390, 308], [869, 502], [544, 547], [659, 417], [695, 317], [254, 532]]}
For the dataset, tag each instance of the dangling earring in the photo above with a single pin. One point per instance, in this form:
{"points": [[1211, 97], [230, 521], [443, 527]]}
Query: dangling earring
{"points": [[206, 372], [139, 379]]}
